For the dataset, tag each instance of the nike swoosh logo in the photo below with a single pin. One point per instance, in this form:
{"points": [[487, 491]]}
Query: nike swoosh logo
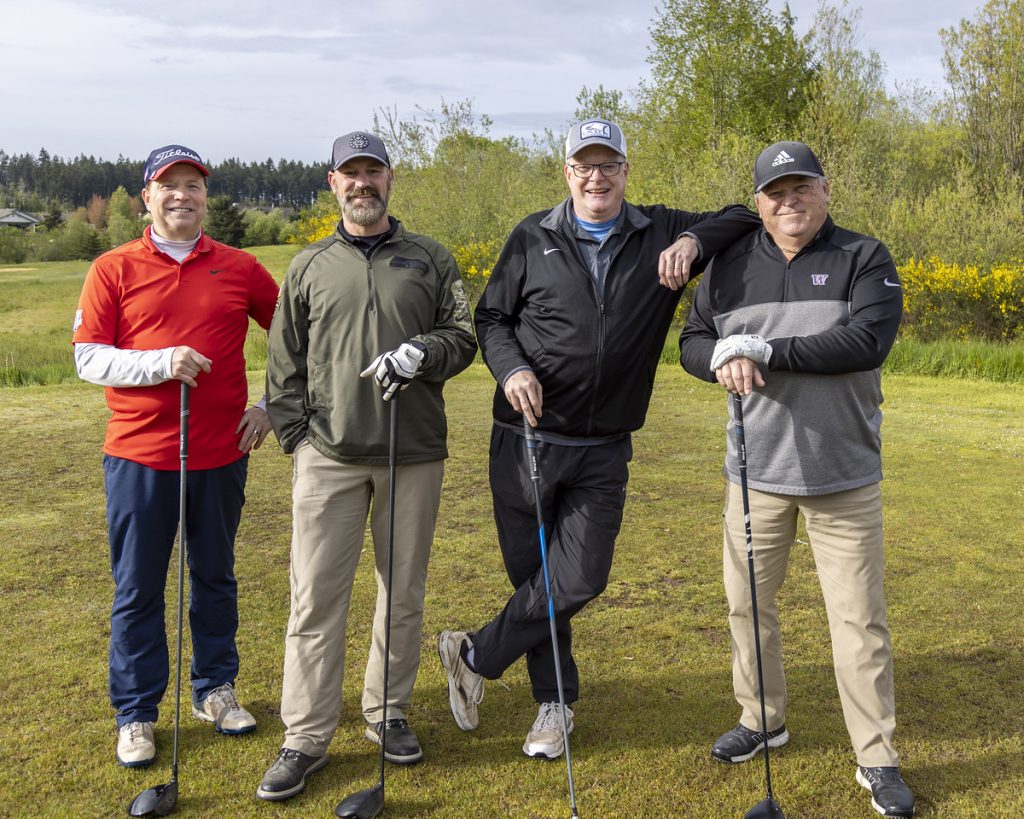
{"points": [[215, 272], [888, 283], [552, 250]]}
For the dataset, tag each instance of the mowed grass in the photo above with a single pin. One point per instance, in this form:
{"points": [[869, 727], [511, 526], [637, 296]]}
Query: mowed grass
{"points": [[653, 650], [37, 309]]}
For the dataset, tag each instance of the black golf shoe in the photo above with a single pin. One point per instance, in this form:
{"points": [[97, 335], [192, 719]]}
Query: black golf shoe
{"points": [[287, 776], [741, 744], [890, 795], [400, 743]]}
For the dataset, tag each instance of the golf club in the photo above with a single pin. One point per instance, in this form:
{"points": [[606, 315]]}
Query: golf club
{"points": [[369, 802], [531, 458], [161, 799], [767, 808]]}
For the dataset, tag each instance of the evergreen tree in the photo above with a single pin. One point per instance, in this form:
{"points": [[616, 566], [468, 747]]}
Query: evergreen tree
{"points": [[224, 221]]}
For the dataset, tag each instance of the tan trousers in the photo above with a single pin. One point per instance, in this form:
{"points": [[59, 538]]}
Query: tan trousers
{"points": [[845, 531], [330, 503]]}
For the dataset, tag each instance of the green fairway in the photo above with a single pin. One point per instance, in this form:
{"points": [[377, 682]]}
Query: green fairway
{"points": [[37, 309], [653, 650]]}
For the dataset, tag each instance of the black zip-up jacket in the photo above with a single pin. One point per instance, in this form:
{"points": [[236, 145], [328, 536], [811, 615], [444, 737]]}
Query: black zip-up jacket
{"points": [[595, 358]]}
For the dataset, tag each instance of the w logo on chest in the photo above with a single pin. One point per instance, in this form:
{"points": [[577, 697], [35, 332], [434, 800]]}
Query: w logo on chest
{"points": [[819, 279]]}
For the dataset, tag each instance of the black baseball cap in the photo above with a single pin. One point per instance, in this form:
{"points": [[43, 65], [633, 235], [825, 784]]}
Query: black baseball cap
{"points": [[785, 159], [162, 158], [356, 144]]}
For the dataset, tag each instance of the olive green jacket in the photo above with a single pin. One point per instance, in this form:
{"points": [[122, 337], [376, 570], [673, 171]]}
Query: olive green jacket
{"points": [[336, 313]]}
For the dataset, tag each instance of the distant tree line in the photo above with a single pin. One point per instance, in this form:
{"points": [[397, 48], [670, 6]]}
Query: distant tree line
{"points": [[42, 182]]}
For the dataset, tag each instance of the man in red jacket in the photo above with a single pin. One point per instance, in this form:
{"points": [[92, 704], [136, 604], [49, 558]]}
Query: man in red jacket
{"points": [[173, 306]]}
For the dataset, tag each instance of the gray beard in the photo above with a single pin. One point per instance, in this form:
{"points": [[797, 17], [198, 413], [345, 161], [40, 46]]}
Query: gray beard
{"points": [[365, 213]]}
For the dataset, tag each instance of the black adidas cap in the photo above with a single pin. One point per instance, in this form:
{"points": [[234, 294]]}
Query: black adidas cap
{"points": [[785, 159]]}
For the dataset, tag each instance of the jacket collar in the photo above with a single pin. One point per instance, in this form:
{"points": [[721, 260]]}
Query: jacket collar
{"points": [[204, 245], [560, 218]]}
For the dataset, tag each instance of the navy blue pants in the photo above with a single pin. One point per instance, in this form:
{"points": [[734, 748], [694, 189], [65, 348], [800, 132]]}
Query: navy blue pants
{"points": [[142, 519], [583, 491]]}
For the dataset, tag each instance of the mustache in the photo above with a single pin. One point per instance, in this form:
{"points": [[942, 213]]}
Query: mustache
{"points": [[357, 192]]}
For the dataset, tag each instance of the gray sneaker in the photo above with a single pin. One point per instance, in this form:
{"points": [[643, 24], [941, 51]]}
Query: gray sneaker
{"points": [[287, 776], [136, 747], [741, 744], [545, 739], [890, 795], [465, 686], [222, 709]]}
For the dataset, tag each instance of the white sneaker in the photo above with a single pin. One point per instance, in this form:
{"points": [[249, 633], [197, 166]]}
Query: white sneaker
{"points": [[545, 738], [222, 709], [136, 747], [465, 686]]}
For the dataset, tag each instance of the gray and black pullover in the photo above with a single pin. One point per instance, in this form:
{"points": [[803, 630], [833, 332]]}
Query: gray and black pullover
{"points": [[831, 316]]}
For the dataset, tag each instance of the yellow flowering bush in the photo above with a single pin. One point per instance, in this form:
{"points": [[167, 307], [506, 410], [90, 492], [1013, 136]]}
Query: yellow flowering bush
{"points": [[476, 260], [318, 221], [950, 301]]}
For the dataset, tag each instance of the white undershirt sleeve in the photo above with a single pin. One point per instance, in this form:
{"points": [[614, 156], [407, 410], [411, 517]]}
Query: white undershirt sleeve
{"points": [[109, 366]]}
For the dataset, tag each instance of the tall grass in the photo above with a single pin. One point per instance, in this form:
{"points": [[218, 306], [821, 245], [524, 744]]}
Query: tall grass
{"points": [[37, 307]]}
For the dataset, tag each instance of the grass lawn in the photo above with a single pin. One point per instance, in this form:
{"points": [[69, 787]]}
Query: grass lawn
{"points": [[653, 650], [37, 308]]}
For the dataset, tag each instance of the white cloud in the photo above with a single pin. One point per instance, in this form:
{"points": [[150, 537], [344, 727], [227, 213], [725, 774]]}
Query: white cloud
{"points": [[270, 79]]}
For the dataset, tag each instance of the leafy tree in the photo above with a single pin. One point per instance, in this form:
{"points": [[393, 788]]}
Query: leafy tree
{"points": [[97, 211], [80, 240], [263, 228], [725, 66], [986, 81], [224, 221], [123, 224], [13, 245], [54, 218]]}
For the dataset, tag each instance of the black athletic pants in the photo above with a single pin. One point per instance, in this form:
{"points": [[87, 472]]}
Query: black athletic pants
{"points": [[583, 490]]}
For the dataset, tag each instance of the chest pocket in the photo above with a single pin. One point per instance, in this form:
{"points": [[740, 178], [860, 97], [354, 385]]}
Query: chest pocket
{"points": [[409, 264]]}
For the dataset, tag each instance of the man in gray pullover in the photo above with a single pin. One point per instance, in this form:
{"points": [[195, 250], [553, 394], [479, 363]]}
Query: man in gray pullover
{"points": [[798, 318]]}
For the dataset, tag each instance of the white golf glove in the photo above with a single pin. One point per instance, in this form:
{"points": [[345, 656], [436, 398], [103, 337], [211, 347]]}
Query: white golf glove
{"points": [[397, 368], [753, 347]]}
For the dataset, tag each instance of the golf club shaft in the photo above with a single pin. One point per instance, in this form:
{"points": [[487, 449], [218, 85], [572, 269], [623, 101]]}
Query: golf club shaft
{"points": [[531, 459], [741, 448], [182, 546], [392, 480]]}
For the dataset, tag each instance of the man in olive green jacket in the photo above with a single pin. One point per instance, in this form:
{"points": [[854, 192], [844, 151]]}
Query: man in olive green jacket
{"points": [[372, 307]]}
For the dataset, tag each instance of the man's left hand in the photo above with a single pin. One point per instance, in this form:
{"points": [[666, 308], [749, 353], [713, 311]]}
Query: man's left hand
{"points": [[395, 370], [675, 261], [255, 427]]}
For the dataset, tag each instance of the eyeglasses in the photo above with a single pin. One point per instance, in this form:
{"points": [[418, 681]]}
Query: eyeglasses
{"points": [[607, 169]]}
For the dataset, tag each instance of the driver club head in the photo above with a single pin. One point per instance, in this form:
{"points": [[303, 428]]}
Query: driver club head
{"points": [[156, 801], [765, 809], [364, 804]]}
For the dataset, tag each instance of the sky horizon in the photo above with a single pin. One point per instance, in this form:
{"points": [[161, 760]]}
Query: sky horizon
{"points": [[259, 80]]}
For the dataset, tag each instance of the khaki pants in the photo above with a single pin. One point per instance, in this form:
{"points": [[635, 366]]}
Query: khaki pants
{"points": [[330, 502], [845, 531]]}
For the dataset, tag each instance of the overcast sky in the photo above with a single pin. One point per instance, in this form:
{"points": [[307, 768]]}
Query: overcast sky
{"points": [[255, 79]]}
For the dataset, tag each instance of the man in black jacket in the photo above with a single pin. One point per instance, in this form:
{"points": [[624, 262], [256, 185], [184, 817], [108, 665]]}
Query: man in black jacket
{"points": [[571, 324]]}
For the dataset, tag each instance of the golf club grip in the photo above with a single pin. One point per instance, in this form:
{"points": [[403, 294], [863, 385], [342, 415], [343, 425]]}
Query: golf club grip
{"points": [[531, 450], [183, 435]]}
